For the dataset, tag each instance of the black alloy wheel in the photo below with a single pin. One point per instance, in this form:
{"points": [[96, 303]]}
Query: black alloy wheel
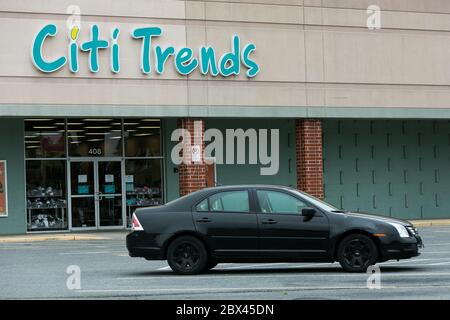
{"points": [[357, 252], [187, 255]]}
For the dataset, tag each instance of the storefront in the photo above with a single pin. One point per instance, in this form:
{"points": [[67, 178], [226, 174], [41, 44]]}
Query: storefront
{"points": [[91, 173], [92, 93]]}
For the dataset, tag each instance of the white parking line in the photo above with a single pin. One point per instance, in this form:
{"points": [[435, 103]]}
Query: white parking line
{"points": [[438, 244], [247, 289], [252, 266], [438, 264], [164, 268], [220, 276], [91, 252], [412, 261]]}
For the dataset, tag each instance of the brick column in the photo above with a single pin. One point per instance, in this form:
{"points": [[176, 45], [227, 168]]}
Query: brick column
{"points": [[309, 161], [192, 176]]}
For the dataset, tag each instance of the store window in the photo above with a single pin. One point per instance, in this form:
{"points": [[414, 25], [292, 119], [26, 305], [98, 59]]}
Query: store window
{"points": [[142, 137], [46, 195], [77, 150], [143, 184], [44, 138], [91, 137]]}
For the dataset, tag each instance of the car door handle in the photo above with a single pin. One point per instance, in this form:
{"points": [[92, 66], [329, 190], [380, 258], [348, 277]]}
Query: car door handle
{"points": [[269, 221], [204, 220]]}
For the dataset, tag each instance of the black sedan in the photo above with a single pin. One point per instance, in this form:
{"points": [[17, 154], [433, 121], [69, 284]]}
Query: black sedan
{"points": [[263, 223]]}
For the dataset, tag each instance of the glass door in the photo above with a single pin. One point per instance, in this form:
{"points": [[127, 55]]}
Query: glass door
{"points": [[110, 193], [96, 194], [83, 194]]}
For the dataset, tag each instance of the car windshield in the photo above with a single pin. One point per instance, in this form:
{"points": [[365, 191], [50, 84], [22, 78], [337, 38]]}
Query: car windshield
{"points": [[317, 202]]}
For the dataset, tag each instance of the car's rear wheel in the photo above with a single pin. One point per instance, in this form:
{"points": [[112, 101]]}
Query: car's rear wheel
{"points": [[357, 252], [187, 255]]}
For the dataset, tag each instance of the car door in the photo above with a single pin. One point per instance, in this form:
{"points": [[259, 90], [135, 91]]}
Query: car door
{"points": [[284, 232], [229, 224]]}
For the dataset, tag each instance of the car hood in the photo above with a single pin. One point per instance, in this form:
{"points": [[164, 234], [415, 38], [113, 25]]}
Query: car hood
{"points": [[378, 218]]}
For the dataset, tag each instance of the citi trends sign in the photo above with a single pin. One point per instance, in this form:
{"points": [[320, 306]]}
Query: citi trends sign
{"points": [[184, 60]]}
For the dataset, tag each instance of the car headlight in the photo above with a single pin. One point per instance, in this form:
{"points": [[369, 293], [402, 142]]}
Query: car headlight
{"points": [[402, 232]]}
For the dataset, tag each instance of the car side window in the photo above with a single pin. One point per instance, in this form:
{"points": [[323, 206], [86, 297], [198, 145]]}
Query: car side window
{"points": [[202, 206], [230, 201], [279, 202]]}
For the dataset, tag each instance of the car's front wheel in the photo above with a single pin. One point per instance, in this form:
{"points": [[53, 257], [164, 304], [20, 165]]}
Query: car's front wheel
{"points": [[357, 252], [187, 255]]}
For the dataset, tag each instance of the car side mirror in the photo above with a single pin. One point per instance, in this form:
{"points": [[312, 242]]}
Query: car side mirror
{"points": [[308, 213]]}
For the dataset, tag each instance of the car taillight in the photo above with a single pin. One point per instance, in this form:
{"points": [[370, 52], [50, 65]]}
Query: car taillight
{"points": [[135, 224]]}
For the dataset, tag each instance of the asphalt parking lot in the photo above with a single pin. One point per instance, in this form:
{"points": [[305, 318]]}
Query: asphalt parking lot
{"points": [[37, 270]]}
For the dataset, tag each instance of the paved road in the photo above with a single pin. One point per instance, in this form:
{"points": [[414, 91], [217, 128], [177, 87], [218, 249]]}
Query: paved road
{"points": [[38, 270]]}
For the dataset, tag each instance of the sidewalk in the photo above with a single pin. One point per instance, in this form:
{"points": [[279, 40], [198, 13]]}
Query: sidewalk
{"points": [[430, 223], [73, 236]]}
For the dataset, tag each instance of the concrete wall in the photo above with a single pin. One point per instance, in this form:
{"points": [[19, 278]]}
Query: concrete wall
{"points": [[315, 54], [12, 150]]}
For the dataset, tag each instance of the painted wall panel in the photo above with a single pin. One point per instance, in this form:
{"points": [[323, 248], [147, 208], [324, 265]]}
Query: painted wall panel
{"points": [[12, 150], [396, 168]]}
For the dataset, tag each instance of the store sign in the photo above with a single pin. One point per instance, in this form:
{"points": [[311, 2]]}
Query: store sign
{"points": [[183, 59], [3, 193]]}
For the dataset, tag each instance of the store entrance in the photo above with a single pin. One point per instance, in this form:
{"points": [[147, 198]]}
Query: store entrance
{"points": [[96, 194]]}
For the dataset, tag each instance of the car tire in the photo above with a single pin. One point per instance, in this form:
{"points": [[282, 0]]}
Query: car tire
{"points": [[187, 255], [357, 252]]}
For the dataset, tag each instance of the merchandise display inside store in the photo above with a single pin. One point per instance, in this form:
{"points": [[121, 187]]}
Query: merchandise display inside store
{"points": [[46, 208]]}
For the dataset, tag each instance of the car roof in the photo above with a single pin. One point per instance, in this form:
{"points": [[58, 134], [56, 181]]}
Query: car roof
{"points": [[248, 186]]}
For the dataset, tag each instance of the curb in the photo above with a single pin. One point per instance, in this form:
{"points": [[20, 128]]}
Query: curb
{"points": [[35, 238], [430, 223]]}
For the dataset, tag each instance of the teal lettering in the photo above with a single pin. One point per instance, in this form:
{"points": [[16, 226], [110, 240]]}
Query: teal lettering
{"points": [[146, 34], [92, 46], [36, 53]]}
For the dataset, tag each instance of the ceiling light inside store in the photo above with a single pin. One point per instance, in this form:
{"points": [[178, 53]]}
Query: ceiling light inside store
{"points": [[44, 127], [131, 123], [99, 127], [94, 140], [48, 134], [149, 127], [97, 119], [38, 119], [142, 134], [75, 123], [151, 120]]}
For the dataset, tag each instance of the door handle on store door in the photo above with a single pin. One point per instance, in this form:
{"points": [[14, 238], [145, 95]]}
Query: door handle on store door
{"points": [[204, 219], [269, 221]]}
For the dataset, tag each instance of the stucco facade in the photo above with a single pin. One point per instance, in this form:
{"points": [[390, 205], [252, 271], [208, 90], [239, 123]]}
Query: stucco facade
{"points": [[320, 67]]}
